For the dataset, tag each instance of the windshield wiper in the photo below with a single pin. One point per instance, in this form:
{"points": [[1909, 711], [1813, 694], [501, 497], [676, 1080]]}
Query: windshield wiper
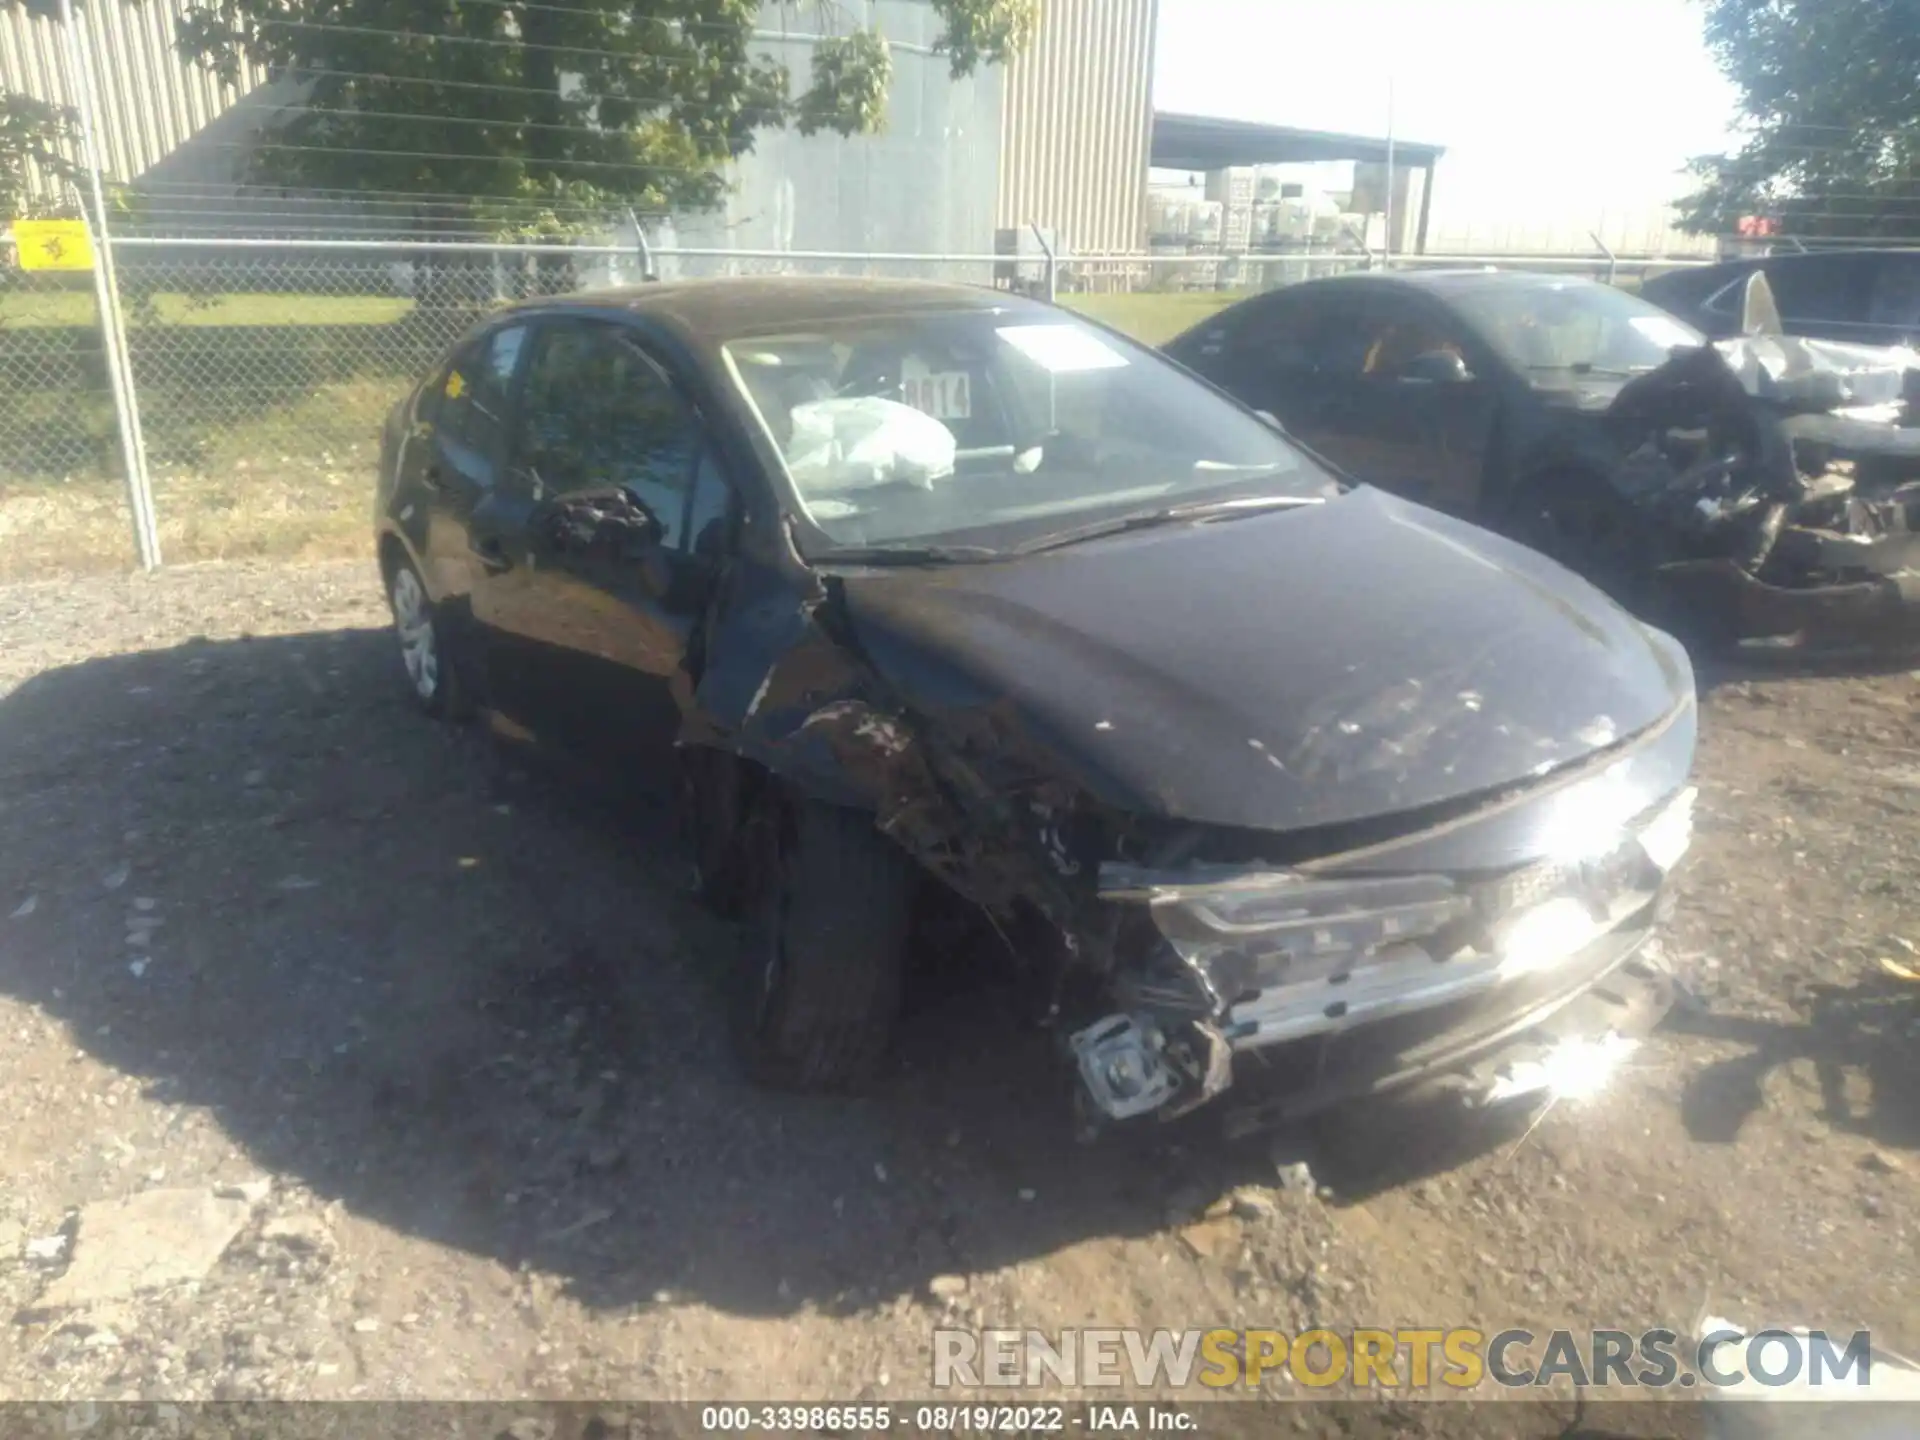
{"points": [[909, 555], [1168, 515]]}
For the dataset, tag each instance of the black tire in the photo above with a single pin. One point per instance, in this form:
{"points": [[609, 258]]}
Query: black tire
{"points": [[717, 813], [431, 666], [818, 993]]}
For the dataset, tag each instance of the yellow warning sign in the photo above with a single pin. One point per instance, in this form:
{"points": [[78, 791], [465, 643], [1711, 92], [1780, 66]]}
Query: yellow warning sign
{"points": [[53, 244]]}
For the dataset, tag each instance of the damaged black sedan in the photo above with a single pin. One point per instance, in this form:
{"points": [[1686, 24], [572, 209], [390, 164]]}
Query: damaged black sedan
{"points": [[1765, 489], [932, 594]]}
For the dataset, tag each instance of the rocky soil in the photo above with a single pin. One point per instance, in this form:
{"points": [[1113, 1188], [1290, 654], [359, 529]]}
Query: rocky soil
{"points": [[342, 1055]]}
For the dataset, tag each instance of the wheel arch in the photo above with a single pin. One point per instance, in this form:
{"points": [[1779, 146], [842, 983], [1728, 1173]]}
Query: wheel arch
{"points": [[392, 548]]}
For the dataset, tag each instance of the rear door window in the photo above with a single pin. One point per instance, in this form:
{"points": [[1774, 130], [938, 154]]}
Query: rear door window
{"points": [[1896, 293], [469, 402], [477, 387]]}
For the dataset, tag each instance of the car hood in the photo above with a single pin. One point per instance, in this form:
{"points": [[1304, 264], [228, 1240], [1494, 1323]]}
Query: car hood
{"points": [[1299, 668]]}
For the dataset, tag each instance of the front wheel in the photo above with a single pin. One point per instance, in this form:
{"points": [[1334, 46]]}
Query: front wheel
{"points": [[819, 989]]}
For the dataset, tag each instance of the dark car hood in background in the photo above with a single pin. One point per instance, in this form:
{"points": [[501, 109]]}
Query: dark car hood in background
{"points": [[1302, 668]]}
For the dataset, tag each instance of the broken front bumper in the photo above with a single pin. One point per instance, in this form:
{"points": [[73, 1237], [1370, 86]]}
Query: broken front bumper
{"points": [[1884, 607], [1345, 986]]}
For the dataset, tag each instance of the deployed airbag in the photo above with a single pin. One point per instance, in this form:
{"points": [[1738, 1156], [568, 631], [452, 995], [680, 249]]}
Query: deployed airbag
{"points": [[857, 443]]}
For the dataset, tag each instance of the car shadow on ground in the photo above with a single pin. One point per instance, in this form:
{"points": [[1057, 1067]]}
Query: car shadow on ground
{"points": [[1862, 1040], [471, 1000]]}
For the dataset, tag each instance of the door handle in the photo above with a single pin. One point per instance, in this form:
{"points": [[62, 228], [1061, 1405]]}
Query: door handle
{"points": [[491, 554]]}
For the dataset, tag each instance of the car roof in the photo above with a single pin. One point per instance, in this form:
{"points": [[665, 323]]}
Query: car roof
{"points": [[714, 312]]}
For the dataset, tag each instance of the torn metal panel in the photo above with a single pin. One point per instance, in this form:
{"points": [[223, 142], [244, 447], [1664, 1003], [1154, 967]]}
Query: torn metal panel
{"points": [[1883, 607], [792, 693], [1780, 482], [1797, 374], [1838, 551]]}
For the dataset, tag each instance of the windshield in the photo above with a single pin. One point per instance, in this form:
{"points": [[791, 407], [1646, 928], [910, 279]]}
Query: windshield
{"points": [[990, 427], [1573, 325]]}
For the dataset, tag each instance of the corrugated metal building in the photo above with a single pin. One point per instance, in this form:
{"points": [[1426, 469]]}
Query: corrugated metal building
{"points": [[926, 184], [152, 101], [1078, 123]]}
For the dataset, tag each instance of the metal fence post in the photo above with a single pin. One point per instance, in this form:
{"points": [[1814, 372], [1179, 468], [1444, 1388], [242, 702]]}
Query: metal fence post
{"points": [[647, 272], [1613, 261], [1051, 262], [113, 331]]}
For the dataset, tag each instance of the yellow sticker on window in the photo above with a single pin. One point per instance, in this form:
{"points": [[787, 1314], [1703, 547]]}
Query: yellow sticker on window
{"points": [[456, 385]]}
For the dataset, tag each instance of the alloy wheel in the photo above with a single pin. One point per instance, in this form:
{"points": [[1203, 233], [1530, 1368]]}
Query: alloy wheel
{"points": [[413, 624]]}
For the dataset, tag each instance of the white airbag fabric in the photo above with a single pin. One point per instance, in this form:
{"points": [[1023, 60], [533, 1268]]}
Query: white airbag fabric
{"points": [[860, 442]]}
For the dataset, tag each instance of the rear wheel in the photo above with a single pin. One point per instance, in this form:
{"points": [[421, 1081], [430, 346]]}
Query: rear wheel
{"points": [[423, 650], [818, 993]]}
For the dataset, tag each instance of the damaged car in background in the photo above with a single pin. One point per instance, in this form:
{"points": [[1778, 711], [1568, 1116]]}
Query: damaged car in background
{"points": [[1762, 489], [929, 595]]}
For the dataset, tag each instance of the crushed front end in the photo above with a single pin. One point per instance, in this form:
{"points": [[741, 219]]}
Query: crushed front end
{"points": [[1304, 985], [1780, 482]]}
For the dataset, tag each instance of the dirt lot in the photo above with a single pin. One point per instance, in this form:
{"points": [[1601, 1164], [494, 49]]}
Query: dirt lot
{"points": [[267, 925]]}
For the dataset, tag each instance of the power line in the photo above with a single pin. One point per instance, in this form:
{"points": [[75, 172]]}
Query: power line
{"points": [[415, 199], [678, 26], [601, 132], [487, 41], [523, 44], [529, 161], [303, 73]]}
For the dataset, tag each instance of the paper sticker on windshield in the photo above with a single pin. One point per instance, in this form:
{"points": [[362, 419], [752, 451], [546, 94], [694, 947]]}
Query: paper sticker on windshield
{"points": [[1663, 332], [1063, 349], [943, 394], [456, 385]]}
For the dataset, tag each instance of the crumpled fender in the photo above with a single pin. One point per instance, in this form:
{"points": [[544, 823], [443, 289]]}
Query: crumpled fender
{"points": [[791, 692]]}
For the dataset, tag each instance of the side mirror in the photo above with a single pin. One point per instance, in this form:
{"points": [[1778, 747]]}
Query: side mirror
{"points": [[631, 525], [616, 524], [1435, 367]]}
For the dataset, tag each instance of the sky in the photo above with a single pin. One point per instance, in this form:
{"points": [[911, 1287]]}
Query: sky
{"points": [[1574, 108]]}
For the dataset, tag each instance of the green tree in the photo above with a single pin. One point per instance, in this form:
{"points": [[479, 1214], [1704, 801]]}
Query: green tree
{"points": [[525, 107], [34, 135], [1830, 92]]}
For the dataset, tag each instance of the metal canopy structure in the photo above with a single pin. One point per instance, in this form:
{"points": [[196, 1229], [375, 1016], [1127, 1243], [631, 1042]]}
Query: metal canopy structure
{"points": [[1202, 142]]}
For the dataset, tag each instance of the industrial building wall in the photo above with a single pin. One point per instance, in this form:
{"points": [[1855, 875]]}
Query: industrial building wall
{"points": [[1078, 122], [152, 100], [925, 184]]}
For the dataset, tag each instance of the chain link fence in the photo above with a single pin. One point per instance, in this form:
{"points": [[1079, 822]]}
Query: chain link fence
{"points": [[62, 490], [264, 368], [264, 377]]}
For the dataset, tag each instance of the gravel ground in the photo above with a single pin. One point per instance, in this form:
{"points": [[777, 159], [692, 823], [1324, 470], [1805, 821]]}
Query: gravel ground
{"points": [[424, 1048]]}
